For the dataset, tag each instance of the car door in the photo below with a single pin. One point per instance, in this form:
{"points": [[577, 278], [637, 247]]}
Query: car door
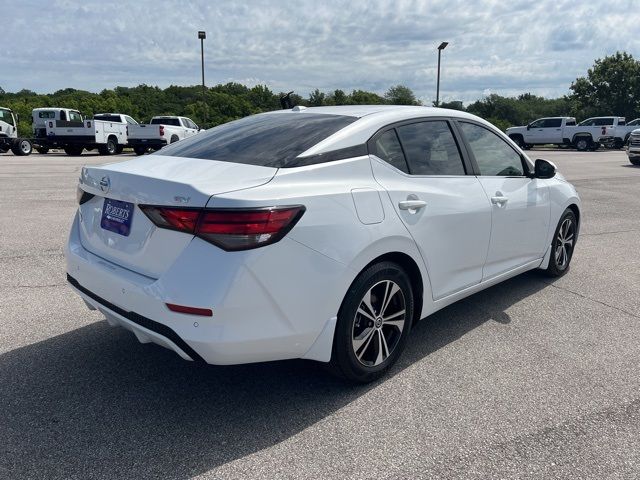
{"points": [[520, 207], [535, 132], [552, 131], [189, 127], [444, 209]]}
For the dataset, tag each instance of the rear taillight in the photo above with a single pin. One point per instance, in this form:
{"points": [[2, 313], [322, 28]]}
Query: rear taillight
{"points": [[162, 130], [82, 196], [230, 229]]}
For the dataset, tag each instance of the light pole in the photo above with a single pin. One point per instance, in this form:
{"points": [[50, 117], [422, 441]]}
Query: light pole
{"points": [[202, 35], [441, 47]]}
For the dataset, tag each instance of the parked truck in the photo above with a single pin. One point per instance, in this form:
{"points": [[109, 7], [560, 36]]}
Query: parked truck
{"points": [[106, 132], [41, 117], [9, 139], [543, 131], [633, 147], [589, 134], [161, 131]]}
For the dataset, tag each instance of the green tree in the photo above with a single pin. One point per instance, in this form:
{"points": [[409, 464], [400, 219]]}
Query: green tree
{"points": [[316, 98], [400, 95], [611, 87]]}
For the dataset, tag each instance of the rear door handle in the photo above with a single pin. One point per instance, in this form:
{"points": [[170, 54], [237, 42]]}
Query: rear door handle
{"points": [[412, 204]]}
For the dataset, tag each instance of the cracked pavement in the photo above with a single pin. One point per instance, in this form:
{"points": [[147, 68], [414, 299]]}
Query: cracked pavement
{"points": [[533, 378]]}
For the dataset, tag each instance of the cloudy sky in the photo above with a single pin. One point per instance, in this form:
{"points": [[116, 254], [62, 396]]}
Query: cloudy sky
{"points": [[496, 46]]}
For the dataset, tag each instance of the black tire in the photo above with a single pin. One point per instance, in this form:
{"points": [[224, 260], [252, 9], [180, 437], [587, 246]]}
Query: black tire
{"points": [[361, 334], [73, 150], [174, 139], [518, 140], [22, 147], [110, 148], [582, 144], [564, 242], [119, 149], [42, 150], [140, 150], [635, 160]]}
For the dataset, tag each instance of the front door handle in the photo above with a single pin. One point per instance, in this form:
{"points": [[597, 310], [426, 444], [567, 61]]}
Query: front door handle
{"points": [[499, 200], [412, 205]]}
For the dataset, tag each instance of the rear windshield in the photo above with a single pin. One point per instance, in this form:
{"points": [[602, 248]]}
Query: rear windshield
{"points": [[267, 140], [166, 121], [108, 118]]}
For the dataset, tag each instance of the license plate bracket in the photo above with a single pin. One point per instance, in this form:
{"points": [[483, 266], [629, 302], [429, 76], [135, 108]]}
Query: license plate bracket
{"points": [[117, 216]]}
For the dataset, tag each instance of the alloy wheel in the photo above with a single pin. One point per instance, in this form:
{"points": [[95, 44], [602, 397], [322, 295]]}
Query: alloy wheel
{"points": [[378, 323], [564, 243]]}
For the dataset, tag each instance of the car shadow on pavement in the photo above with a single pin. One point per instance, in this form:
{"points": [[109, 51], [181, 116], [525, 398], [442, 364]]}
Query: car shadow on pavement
{"points": [[94, 403]]}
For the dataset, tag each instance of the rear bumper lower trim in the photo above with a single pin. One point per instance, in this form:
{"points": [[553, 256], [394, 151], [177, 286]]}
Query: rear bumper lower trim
{"points": [[145, 322]]}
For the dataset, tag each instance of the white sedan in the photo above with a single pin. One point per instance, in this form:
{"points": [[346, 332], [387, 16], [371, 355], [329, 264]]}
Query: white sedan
{"points": [[317, 233]]}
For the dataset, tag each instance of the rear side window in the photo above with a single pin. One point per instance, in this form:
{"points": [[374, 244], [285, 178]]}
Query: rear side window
{"points": [[570, 123], [268, 140], [166, 121], [387, 147], [553, 122], [75, 117], [107, 118], [622, 122], [430, 149], [494, 155]]}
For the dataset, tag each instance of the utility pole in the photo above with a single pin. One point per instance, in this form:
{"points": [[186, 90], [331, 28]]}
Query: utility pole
{"points": [[441, 47], [202, 35]]}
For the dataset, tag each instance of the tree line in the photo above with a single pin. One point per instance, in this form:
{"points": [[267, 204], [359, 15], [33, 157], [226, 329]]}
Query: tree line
{"points": [[610, 87]]}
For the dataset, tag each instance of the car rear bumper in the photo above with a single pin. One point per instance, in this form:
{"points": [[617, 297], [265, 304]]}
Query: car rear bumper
{"points": [[265, 306]]}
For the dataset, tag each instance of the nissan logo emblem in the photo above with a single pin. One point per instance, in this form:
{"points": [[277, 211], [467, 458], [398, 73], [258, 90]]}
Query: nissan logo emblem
{"points": [[105, 184]]}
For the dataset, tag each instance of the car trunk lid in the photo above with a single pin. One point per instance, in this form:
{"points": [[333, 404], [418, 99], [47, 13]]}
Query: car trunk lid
{"points": [[113, 226]]}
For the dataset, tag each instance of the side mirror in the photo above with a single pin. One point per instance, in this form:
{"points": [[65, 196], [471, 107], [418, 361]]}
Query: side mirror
{"points": [[544, 169], [529, 127]]}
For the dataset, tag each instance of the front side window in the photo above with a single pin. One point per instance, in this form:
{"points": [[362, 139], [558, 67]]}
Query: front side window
{"points": [[47, 114], [493, 155], [387, 147], [430, 148], [537, 124], [5, 116]]}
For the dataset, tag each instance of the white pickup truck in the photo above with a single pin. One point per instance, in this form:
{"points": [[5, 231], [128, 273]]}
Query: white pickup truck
{"points": [[161, 131], [42, 116], [549, 130], [107, 132], [9, 134], [589, 134], [633, 147]]}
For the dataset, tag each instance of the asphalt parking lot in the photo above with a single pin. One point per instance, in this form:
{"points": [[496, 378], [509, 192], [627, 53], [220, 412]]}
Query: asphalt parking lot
{"points": [[532, 378]]}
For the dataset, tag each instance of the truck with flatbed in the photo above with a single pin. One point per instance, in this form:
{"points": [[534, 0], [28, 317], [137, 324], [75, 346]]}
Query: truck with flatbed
{"points": [[590, 134], [106, 132], [41, 117], [9, 139], [161, 131]]}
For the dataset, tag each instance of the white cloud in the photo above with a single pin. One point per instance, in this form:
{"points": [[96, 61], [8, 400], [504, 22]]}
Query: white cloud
{"points": [[502, 47]]}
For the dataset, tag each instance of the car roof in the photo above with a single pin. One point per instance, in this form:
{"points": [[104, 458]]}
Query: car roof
{"points": [[370, 119]]}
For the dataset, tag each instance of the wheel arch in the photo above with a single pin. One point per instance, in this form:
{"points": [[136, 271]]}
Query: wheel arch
{"points": [[576, 211], [113, 137]]}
